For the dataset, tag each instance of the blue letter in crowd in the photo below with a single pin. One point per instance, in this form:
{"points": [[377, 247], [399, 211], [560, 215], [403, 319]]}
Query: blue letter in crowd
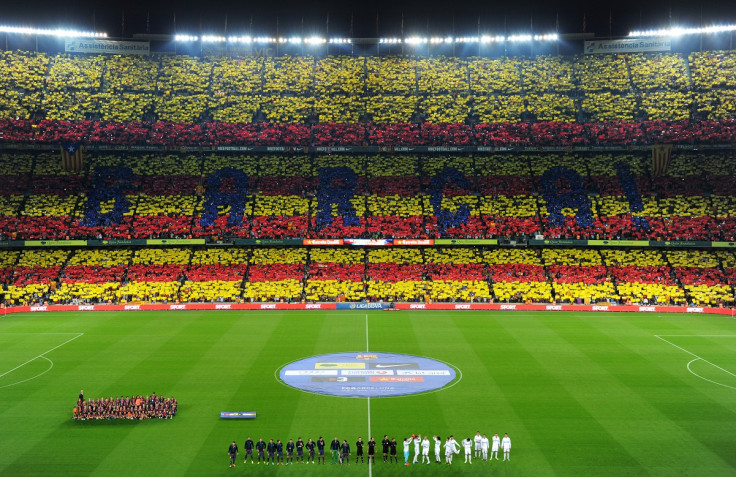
{"points": [[576, 198], [445, 218], [631, 190], [336, 186], [107, 184], [214, 197]]}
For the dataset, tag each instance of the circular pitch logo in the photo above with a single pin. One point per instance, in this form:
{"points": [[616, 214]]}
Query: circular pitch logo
{"points": [[367, 374]]}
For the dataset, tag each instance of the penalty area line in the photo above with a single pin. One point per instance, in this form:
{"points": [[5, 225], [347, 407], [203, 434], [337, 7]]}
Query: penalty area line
{"points": [[696, 356], [42, 355]]}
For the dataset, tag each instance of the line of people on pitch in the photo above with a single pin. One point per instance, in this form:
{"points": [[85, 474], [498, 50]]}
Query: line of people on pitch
{"points": [[480, 446], [306, 452], [276, 453]]}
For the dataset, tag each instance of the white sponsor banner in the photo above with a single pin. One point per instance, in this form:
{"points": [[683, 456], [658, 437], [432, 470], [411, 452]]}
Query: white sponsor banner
{"points": [[417, 306], [462, 306], [366, 372], [109, 47], [85, 307], [177, 307], [508, 307], [553, 307], [314, 306], [694, 309], [638, 45], [310, 372], [422, 372], [132, 307], [600, 307], [268, 306], [38, 308], [647, 308], [223, 307]]}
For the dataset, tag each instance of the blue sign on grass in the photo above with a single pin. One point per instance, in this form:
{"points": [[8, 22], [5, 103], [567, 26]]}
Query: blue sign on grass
{"points": [[238, 415], [371, 374]]}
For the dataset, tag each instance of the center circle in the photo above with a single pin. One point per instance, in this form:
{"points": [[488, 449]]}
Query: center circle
{"points": [[372, 374]]}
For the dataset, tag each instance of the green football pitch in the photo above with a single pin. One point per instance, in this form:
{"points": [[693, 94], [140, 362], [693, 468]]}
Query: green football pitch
{"points": [[578, 393]]}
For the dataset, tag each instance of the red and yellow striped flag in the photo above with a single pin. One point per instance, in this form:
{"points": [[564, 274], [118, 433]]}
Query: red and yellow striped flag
{"points": [[72, 157], [661, 159]]}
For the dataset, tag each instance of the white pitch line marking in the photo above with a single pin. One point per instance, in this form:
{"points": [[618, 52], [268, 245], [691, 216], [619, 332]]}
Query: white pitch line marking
{"points": [[42, 355], [698, 358], [705, 379], [700, 336], [367, 350], [51, 363]]}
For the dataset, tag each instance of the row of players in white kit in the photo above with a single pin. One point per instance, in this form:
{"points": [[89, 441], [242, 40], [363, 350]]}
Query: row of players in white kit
{"points": [[480, 444]]}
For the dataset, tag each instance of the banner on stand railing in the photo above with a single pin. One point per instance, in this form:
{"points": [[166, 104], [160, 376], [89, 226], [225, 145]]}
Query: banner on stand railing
{"points": [[636, 45], [108, 47]]}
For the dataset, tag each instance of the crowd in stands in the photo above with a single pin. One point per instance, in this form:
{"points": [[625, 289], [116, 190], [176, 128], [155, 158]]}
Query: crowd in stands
{"points": [[110, 89], [502, 196], [406, 274], [125, 407], [302, 102], [558, 132]]}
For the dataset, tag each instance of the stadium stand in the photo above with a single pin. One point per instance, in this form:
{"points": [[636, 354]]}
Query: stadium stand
{"points": [[385, 90], [330, 274], [183, 195], [183, 108]]}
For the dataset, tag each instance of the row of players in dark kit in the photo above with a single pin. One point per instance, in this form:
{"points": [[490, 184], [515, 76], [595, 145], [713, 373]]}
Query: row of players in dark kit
{"points": [[305, 452]]}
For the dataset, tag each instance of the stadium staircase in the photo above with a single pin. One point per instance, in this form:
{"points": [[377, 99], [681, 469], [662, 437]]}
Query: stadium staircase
{"points": [[675, 278], [27, 191], [246, 275], [688, 72], [609, 275]]}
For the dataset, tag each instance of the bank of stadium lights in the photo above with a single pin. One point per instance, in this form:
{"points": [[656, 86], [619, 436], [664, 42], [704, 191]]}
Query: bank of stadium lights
{"points": [[412, 40], [679, 31], [311, 40], [58, 32], [314, 40], [492, 39], [415, 40], [443, 40]]}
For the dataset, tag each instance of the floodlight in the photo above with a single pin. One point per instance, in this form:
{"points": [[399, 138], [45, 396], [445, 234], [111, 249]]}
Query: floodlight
{"points": [[315, 40], [678, 31], [519, 38], [58, 32], [416, 40], [240, 39]]}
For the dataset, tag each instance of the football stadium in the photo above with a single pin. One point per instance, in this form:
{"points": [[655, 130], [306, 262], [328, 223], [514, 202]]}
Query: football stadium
{"points": [[329, 243]]}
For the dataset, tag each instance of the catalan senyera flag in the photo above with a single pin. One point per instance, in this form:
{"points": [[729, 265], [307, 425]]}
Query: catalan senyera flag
{"points": [[661, 159], [72, 157]]}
